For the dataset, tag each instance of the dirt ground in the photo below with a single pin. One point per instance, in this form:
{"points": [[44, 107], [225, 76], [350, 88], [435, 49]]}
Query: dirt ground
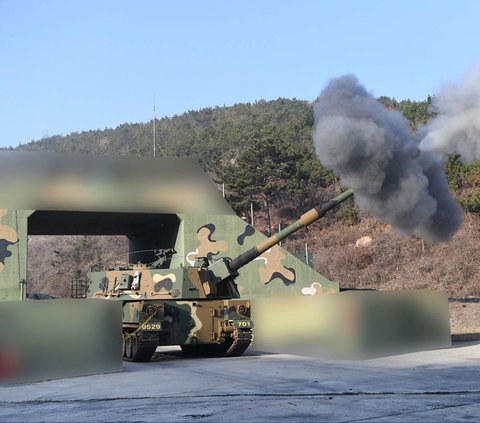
{"points": [[465, 320]]}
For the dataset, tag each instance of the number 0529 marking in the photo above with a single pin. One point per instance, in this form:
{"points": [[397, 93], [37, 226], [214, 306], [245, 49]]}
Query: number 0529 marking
{"points": [[152, 326]]}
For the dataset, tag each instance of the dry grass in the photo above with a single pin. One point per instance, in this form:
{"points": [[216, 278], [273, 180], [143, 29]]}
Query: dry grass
{"points": [[465, 319], [392, 261], [54, 261]]}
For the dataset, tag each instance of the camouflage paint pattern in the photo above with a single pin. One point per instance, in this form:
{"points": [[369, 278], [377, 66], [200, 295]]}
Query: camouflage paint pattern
{"points": [[274, 273], [140, 282], [189, 322], [273, 258], [208, 247], [8, 236], [13, 254]]}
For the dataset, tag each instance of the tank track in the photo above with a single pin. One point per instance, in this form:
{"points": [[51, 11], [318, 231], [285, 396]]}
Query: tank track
{"points": [[139, 347], [242, 339], [233, 346]]}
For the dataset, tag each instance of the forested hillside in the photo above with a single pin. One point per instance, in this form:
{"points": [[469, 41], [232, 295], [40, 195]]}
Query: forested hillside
{"points": [[264, 154]]}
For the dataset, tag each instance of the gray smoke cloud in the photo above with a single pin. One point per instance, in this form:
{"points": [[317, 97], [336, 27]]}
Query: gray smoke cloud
{"points": [[456, 128], [372, 150]]}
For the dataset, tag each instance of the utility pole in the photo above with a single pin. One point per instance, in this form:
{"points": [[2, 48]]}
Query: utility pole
{"points": [[154, 129]]}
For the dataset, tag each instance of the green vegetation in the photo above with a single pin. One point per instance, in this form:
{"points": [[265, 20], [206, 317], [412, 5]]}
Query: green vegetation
{"points": [[263, 151], [348, 213], [417, 112]]}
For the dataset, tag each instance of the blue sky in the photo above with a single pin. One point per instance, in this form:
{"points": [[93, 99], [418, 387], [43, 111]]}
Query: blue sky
{"points": [[70, 66]]}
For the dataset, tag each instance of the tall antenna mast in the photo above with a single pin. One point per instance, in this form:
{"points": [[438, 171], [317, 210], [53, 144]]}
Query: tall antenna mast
{"points": [[154, 129]]}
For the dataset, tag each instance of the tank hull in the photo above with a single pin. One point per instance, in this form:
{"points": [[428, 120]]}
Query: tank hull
{"points": [[200, 327]]}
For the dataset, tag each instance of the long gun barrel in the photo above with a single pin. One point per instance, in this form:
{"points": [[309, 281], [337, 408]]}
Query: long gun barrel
{"points": [[305, 220]]}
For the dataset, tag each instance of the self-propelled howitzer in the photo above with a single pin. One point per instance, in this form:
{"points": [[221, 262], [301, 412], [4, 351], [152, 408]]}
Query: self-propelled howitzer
{"points": [[197, 307]]}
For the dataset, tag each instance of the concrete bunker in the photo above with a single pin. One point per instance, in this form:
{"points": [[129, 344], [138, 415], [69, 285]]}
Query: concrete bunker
{"points": [[142, 233]]}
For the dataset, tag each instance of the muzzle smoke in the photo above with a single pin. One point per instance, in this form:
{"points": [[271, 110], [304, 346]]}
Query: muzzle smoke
{"points": [[456, 128], [372, 150]]}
